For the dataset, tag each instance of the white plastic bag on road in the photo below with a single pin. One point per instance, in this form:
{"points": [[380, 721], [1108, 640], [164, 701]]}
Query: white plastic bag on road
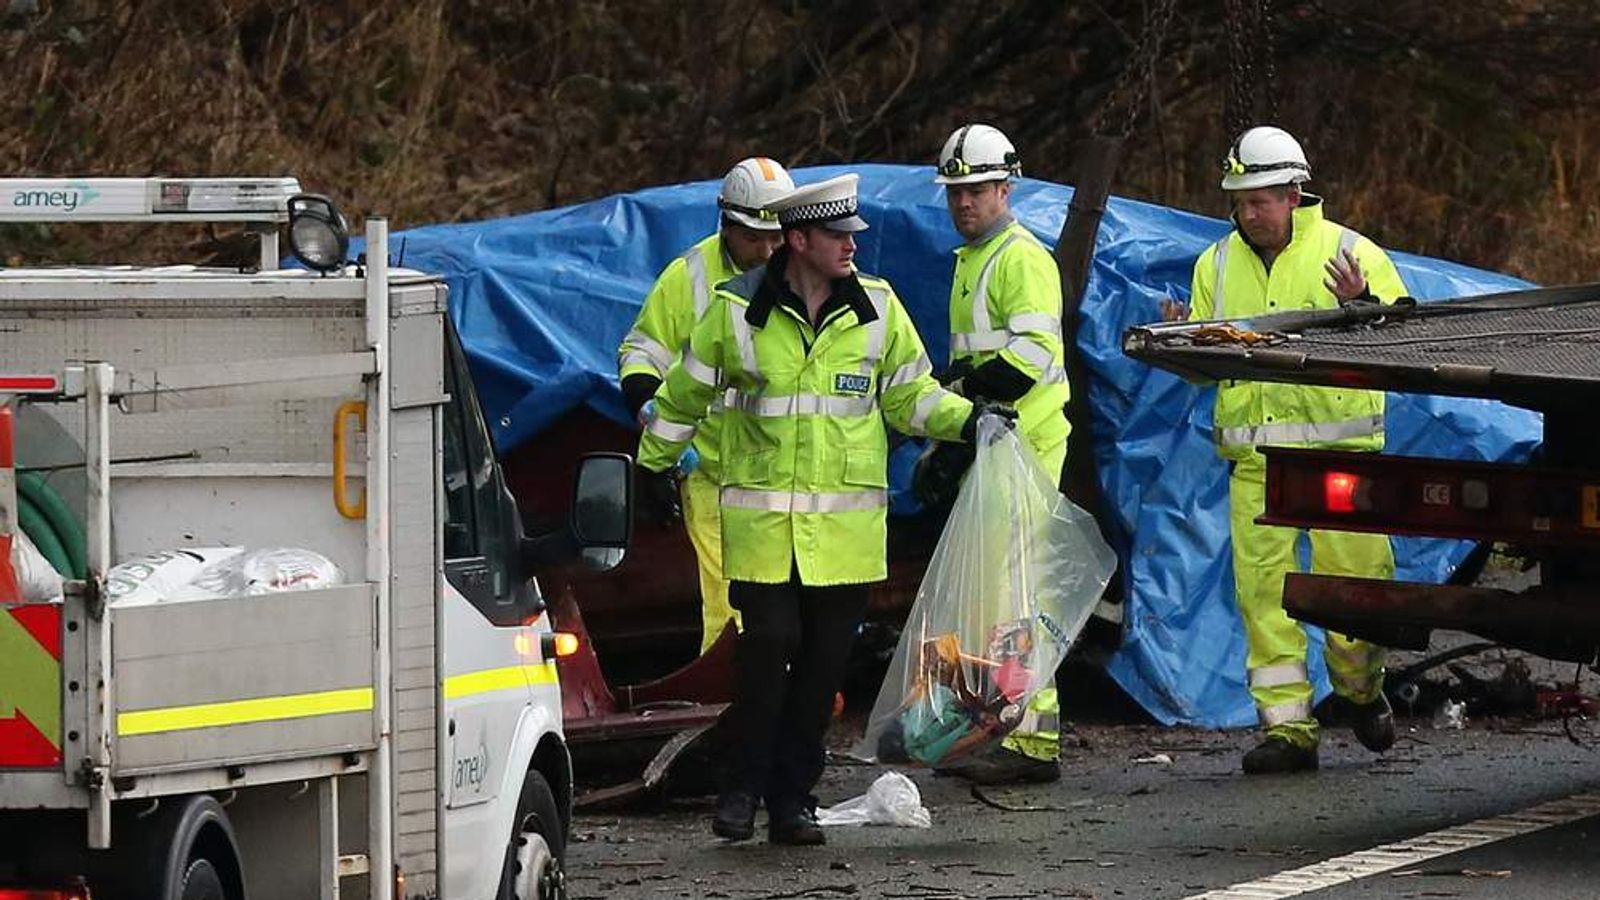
{"points": [[891, 800], [1012, 581]]}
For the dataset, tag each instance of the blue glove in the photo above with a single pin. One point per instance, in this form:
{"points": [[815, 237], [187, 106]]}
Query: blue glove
{"points": [[689, 461], [647, 412]]}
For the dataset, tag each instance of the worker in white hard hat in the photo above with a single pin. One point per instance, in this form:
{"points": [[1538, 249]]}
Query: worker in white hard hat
{"points": [[1282, 255], [748, 234], [1005, 346]]}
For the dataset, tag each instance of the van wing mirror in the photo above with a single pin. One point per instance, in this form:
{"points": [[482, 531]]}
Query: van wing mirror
{"points": [[602, 508], [599, 519]]}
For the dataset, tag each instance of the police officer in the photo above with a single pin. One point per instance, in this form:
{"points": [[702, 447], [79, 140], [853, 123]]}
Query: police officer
{"points": [[820, 358], [681, 295], [1005, 346], [1283, 254]]}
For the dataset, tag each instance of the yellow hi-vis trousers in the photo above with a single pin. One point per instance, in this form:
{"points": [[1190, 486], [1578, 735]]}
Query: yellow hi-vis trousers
{"points": [[1039, 734], [1276, 664], [702, 517]]}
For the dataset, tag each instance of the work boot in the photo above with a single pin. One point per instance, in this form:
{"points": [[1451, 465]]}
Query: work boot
{"points": [[736, 816], [996, 765], [1278, 756], [1373, 723], [795, 826]]}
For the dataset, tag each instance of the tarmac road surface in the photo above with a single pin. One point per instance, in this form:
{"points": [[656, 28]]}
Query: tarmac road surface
{"points": [[1497, 810]]}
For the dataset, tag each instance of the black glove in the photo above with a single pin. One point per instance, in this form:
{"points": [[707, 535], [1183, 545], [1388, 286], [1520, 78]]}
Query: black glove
{"points": [[969, 430], [658, 497], [950, 379], [936, 479]]}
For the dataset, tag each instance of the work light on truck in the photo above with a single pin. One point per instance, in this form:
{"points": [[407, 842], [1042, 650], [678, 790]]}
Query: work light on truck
{"points": [[318, 236], [1346, 493]]}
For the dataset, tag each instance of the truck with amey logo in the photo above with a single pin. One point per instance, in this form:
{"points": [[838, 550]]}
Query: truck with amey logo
{"points": [[395, 734]]}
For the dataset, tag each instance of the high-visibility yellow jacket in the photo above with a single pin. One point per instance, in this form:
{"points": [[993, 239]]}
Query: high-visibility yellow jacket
{"points": [[805, 462], [1232, 282], [1005, 301], [680, 296]]}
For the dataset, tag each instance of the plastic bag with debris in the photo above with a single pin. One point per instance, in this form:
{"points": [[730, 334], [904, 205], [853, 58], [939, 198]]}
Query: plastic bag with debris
{"points": [[893, 799], [1013, 579], [269, 571]]}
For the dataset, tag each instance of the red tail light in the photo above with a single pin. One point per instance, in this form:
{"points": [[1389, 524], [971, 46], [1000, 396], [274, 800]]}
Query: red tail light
{"points": [[1345, 493]]}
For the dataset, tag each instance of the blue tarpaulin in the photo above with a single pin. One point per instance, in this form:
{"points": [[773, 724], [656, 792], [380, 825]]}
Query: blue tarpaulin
{"points": [[542, 300]]}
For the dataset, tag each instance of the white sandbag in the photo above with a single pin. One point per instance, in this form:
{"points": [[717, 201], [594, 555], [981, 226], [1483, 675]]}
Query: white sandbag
{"points": [[893, 799], [36, 578], [162, 575]]}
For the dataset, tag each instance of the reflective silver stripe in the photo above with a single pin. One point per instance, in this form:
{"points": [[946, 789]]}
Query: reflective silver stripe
{"points": [[980, 291], [1279, 675], [639, 342], [695, 260], [746, 342], [1298, 432], [875, 329], [1034, 321], [1034, 722], [802, 405], [906, 374], [1296, 711], [925, 408], [721, 401], [1347, 239], [1032, 352], [699, 371], [641, 358], [1053, 375], [786, 502], [1216, 285], [979, 341], [1353, 684], [670, 431]]}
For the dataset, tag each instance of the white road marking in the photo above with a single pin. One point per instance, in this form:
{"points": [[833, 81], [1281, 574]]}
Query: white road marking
{"points": [[1401, 854]]}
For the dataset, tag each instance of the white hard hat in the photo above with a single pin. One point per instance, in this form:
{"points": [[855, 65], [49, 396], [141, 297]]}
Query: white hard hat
{"points": [[1262, 157], [976, 153], [749, 189]]}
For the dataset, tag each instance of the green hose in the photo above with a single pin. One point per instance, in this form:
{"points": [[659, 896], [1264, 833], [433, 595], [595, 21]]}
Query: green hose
{"points": [[43, 536], [53, 524]]}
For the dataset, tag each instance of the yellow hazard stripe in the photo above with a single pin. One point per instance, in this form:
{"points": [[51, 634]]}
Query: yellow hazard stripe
{"points": [[244, 712], [482, 682]]}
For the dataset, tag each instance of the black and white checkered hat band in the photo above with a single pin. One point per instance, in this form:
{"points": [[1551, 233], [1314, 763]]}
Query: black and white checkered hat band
{"points": [[826, 211]]}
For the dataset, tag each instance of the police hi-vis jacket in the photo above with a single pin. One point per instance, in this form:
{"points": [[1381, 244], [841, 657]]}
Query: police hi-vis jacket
{"points": [[1231, 282], [681, 295], [805, 451]]}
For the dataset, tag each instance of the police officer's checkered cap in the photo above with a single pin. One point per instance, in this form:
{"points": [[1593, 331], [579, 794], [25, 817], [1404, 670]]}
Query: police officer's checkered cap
{"points": [[825, 211]]}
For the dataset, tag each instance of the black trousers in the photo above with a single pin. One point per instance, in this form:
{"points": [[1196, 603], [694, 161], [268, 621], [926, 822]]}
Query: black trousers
{"points": [[790, 662]]}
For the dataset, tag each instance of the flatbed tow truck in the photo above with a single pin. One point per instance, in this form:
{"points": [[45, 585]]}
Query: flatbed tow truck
{"points": [[1538, 349]]}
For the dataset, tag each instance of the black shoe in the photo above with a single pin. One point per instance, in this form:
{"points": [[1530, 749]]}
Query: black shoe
{"points": [[736, 816], [794, 827], [997, 765], [1373, 724], [1277, 756]]}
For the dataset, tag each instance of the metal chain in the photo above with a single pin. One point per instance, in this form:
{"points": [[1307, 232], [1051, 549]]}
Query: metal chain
{"points": [[1238, 108], [1269, 53], [1137, 79]]}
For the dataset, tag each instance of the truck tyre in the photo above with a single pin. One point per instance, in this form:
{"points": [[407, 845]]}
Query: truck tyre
{"points": [[538, 846], [186, 850], [201, 882]]}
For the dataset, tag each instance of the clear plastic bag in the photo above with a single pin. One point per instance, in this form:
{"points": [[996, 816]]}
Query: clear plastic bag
{"points": [[268, 571], [893, 799], [1013, 579]]}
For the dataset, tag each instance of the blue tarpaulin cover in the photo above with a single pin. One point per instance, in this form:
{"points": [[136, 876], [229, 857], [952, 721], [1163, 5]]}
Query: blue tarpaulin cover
{"points": [[543, 299]]}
